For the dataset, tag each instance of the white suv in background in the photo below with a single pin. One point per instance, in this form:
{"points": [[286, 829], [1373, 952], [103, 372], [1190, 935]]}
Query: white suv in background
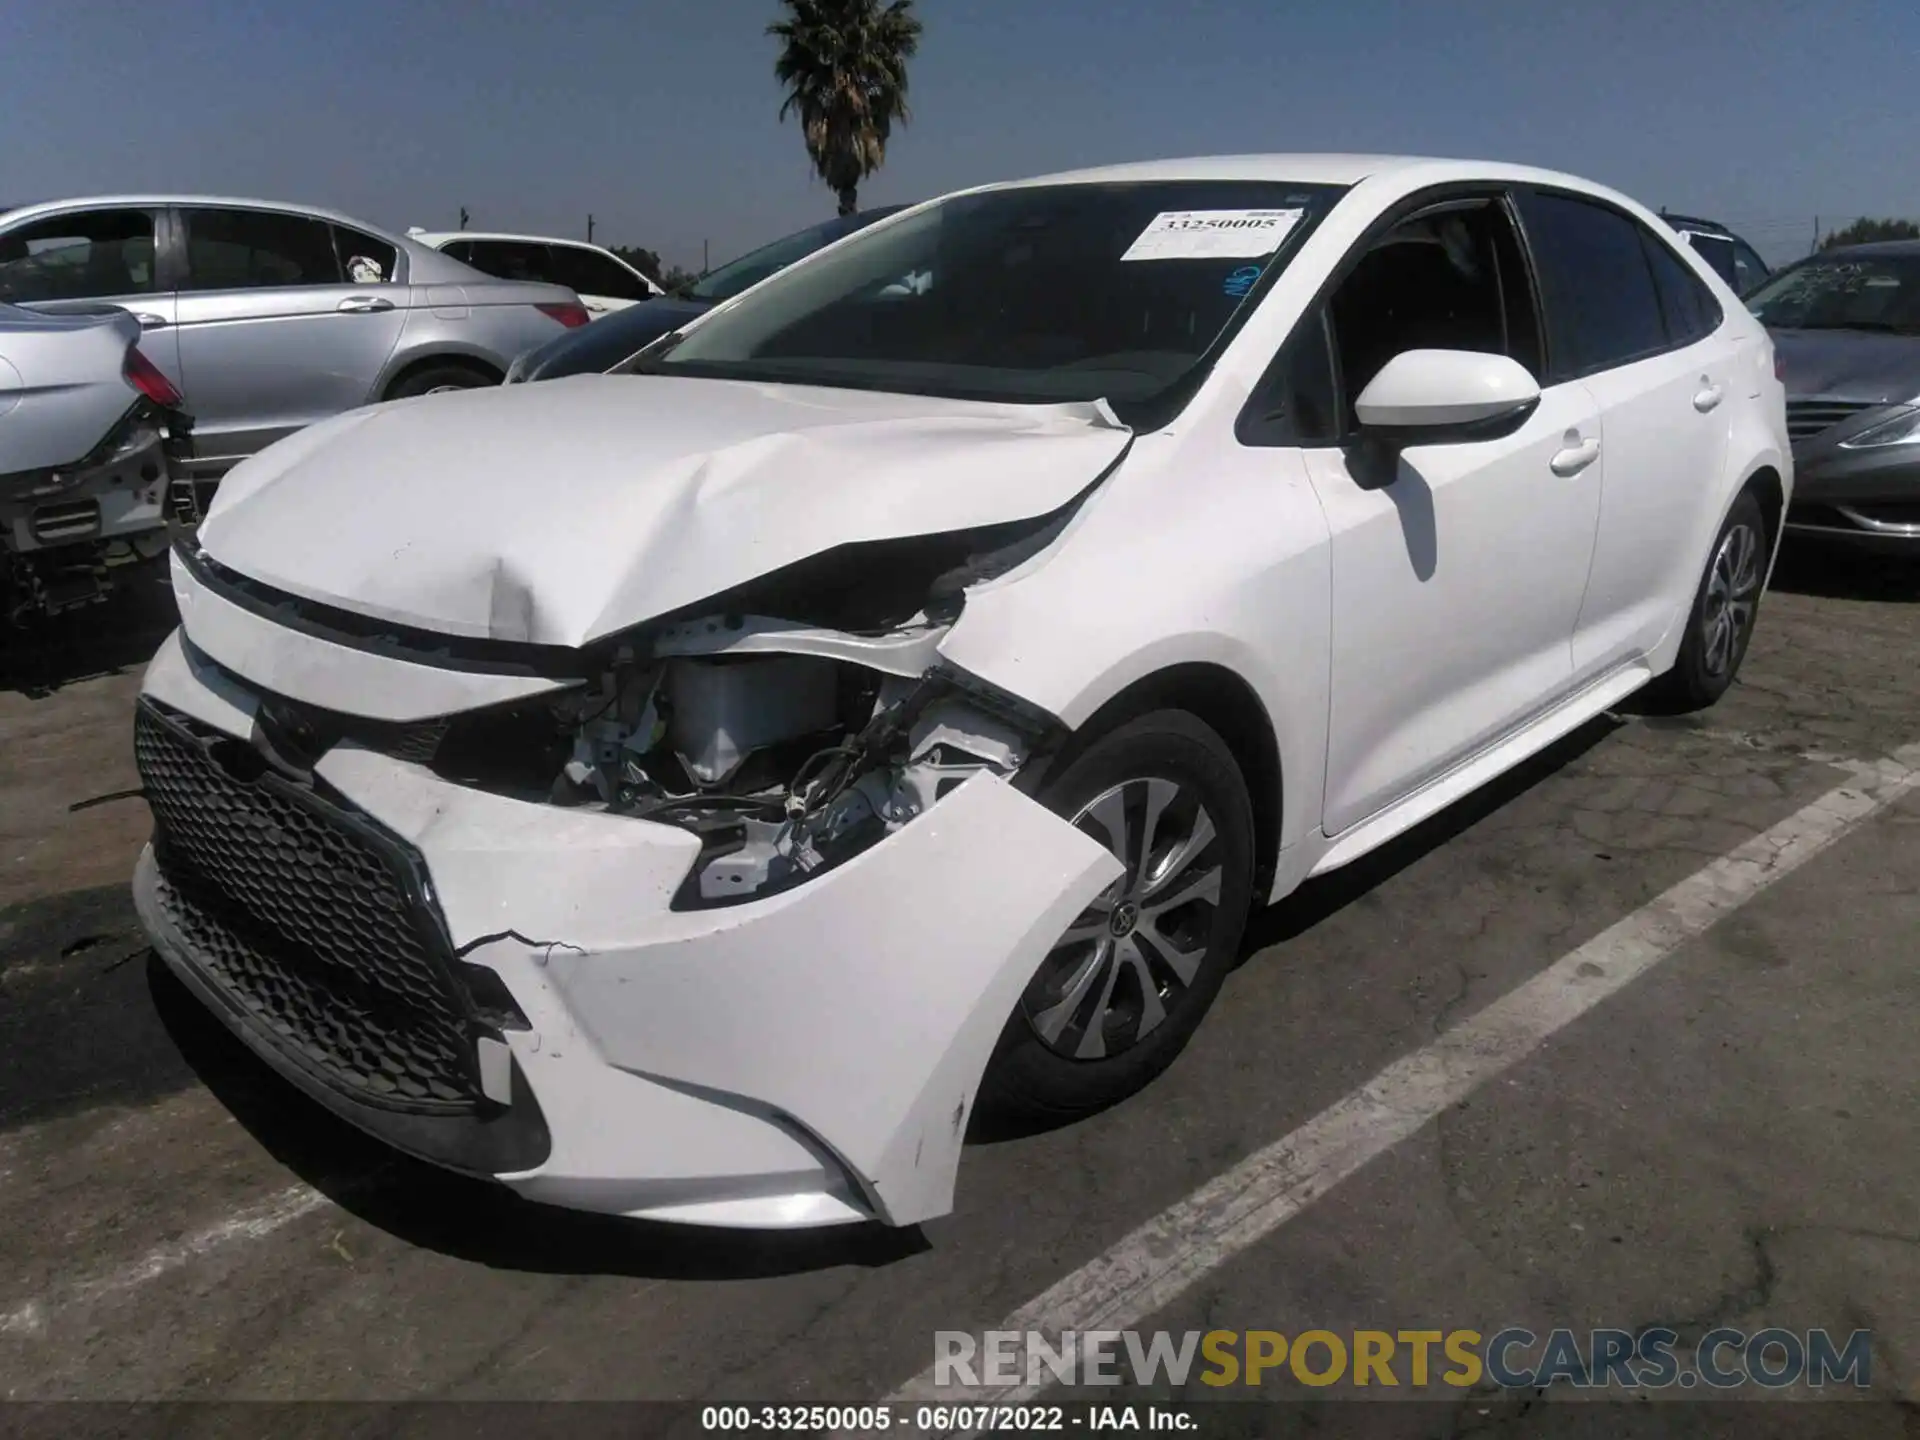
{"points": [[603, 281]]}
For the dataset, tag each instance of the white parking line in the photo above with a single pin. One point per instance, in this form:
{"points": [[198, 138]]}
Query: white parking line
{"points": [[1162, 1259], [253, 1223]]}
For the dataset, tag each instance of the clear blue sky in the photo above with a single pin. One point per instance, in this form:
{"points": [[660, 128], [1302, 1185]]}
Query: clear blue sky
{"points": [[658, 116]]}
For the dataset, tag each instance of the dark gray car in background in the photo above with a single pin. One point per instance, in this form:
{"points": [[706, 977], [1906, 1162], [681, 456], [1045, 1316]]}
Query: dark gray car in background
{"points": [[602, 345], [1846, 334]]}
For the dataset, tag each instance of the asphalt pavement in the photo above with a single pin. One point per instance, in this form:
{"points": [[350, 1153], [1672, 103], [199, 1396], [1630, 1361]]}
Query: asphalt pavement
{"points": [[1721, 1135]]}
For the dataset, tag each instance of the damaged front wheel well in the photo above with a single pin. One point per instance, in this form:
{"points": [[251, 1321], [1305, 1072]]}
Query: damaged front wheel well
{"points": [[1227, 705]]}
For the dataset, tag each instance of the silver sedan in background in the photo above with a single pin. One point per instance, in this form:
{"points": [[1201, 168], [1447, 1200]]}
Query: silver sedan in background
{"points": [[269, 317]]}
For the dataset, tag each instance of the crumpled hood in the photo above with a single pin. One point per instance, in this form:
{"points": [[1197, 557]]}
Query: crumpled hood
{"points": [[561, 512], [1849, 365]]}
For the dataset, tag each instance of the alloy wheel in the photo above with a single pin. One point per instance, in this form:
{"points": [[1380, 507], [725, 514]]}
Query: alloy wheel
{"points": [[1127, 960], [1733, 594]]}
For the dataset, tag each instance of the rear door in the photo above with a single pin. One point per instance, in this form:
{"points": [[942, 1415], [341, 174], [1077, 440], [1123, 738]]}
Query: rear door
{"points": [[82, 258], [1628, 318], [273, 333]]}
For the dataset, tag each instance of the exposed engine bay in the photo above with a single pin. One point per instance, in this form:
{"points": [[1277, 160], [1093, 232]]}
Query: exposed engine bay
{"points": [[784, 762]]}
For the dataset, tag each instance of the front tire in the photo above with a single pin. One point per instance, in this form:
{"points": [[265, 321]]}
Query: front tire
{"points": [[1720, 624], [437, 379], [1124, 989]]}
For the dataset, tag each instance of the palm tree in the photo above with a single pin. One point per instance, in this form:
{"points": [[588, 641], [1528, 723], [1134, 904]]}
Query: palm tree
{"points": [[843, 64]]}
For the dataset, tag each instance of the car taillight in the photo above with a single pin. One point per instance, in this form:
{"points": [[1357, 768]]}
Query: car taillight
{"points": [[146, 377], [571, 314], [1779, 368]]}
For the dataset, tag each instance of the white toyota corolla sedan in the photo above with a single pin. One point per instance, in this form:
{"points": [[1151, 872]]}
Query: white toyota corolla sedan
{"points": [[695, 792]]}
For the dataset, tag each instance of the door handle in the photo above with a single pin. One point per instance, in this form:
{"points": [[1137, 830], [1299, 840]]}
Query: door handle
{"points": [[1575, 458], [150, 321], [364, 305], [1707, 397]]}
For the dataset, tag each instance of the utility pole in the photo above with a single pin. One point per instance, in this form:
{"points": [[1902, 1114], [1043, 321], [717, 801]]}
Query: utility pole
{"points": [[589, 229], [704, 266], [1816, 236], [463, 217]]}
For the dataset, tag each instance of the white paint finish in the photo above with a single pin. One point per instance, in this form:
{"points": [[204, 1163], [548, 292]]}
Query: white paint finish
{"points": [[1665, 477], [854, 1003], [256, 1222], [1430, 799], [1444, 387], [577, 875], [560, 512], [320, 672], [190, 685], [1455, 591], [1166, 1257], [1233, 574]]}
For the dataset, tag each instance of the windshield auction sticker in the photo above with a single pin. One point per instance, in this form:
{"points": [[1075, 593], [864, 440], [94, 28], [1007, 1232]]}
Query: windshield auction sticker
{"points": [[1213, 234]]}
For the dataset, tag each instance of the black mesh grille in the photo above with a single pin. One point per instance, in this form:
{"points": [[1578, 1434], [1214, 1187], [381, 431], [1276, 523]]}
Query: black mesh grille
{"points": [[291, 908]]}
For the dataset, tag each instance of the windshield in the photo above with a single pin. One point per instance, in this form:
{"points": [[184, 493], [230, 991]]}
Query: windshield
{"points": [[750, 269], [1844, 292], [1032, 294]]}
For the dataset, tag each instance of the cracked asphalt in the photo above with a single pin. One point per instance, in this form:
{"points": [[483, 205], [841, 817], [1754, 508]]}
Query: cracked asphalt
{"points": [[1728, 1141]]}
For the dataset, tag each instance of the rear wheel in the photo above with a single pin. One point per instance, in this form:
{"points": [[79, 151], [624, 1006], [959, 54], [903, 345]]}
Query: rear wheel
{"points": [[1122, 991], [438, 379], [1725, 607]]}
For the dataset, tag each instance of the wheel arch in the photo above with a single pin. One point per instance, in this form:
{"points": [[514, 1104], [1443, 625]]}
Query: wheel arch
{"points": [[413, 364], [1224, 701]]}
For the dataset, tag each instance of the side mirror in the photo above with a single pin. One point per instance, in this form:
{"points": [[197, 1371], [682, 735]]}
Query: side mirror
{"points": [[1432, 397]]}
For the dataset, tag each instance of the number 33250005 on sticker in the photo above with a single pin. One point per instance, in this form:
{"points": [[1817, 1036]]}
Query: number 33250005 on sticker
{"points": [[1213, 234]]}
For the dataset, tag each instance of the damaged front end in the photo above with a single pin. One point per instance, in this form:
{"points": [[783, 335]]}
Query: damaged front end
{"points": [[786, 743]]}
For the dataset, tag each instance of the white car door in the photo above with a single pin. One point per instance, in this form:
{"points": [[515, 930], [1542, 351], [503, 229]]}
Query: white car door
{"points": [[1457, 569], [1629, 319]]}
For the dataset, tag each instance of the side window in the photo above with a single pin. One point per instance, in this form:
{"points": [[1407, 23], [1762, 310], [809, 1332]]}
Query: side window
{"points": [[81, 256], [1601, 306], [364, 259], [1717, 251], [511, 259], [1688, 307], [257, 250], [461, 250], [1749, 270], [1449, 278], [588, 272]]}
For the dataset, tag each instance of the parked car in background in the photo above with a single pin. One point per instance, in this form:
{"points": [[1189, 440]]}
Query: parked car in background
{"points": [[268, 317], [1846, 329], [90, 438], [605, 344], [1732, 258], [886, 701], [604, 282]]}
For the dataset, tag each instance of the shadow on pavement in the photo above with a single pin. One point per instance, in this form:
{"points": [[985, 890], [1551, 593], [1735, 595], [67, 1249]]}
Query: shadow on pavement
{"points": [[472, 1219], [77, 1029], [118, 634], [1840, 572], [1321, 898]]}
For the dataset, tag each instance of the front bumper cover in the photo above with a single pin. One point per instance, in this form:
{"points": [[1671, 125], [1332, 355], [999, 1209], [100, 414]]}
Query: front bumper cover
{"points": [[806, 1059], [1869, 496]]}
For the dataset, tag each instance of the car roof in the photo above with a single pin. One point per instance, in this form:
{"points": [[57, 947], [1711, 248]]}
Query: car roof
{"points": [[1307, 169], [1874, 247], [436, 238], [149, 199]]}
